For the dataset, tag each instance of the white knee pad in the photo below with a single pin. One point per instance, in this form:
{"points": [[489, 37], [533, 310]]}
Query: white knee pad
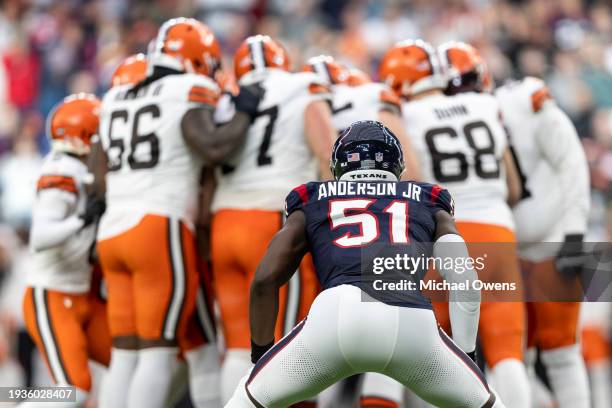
{"points": [[511, 383], [116, 383], [204, 376], [236, 364], [153, 376], [567, 374]]}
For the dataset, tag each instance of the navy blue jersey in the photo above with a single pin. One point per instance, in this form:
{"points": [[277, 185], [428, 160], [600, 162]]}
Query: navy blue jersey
{"points": [[362, 232]]}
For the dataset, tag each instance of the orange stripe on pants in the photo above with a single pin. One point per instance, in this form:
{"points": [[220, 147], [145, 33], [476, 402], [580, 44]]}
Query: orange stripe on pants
{"points": [[152, 275], [68, 329]]}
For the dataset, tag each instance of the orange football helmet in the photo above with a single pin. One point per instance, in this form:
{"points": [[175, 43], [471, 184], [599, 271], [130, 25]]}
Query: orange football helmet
{"points": [[411, 67], [187, 45], [257, 53], [466, 69], [357, 77], [131, 71], [73, 122], [328, 69]]}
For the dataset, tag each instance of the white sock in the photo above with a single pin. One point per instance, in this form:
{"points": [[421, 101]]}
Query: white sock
{"points": [[541, 397], [240, 399], [600, 374], [511, 383], [80, 400], [152, 378], [204, 376], [567, 375], [236, 364], [116, 382]]}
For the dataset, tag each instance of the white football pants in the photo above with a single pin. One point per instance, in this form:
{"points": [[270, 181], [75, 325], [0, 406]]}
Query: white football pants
{"points": [[345, 335]]}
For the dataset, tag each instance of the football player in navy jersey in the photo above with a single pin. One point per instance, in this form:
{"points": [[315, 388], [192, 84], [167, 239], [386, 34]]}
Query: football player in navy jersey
{"points": [[355, 325]]}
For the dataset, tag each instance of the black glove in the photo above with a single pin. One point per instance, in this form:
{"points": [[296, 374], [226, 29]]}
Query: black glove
{"points": [[248, 99], [94, 209], [257, 351], [571, 257]]}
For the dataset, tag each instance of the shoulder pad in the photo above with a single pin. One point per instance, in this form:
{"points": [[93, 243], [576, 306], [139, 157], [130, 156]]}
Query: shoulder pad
{"points": [[60, 172], [439, 198], [190, 87], [387, 96], [298, 197], [529, 94], [314, 84]]}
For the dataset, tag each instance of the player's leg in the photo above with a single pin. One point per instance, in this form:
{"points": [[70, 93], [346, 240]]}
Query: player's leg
{"points": [[239, 241], [427, 361], [99, 340], [301, 364], [597, 351], [556, 325], [165, 285], [121, 321], [54, 321], [502, 327], [232, 290], [502, 338], [199, 348]]}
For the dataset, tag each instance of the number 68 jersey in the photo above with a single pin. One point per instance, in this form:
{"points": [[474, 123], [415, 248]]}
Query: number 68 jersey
{"points": [[151, 170], [460, 142], [275, 156]]}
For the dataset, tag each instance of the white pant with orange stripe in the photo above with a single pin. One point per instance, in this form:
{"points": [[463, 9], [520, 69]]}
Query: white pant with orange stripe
{"points": [[344, 335]]}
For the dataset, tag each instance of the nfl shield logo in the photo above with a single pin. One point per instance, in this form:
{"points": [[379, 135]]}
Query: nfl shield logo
{"points": [[378, 157], [353, 157]]}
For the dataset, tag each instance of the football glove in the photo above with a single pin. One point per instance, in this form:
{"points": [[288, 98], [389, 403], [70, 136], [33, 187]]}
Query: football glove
{"points": [[248, 99], [94, 209], [571, 258]]}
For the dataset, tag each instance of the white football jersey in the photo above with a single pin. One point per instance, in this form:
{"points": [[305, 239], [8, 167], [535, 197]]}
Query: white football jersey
{"points": [[61, 191], [364, 102], [151, 169], [460, 142], [551, 162], [276, 156]]}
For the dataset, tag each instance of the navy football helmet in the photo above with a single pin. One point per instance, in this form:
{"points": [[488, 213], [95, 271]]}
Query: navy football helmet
{"points": [[367, 146]]}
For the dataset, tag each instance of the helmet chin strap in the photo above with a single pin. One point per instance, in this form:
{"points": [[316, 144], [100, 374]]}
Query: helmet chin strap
{"points": [[368, 175]]}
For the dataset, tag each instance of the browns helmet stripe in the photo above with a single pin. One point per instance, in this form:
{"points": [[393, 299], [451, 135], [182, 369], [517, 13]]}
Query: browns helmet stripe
{"points": [[256, 49]]}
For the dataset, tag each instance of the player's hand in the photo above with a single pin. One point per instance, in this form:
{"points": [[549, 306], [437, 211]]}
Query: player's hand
{"points": [[258, 351], [94, 209], [248, 99], [571, 257]]}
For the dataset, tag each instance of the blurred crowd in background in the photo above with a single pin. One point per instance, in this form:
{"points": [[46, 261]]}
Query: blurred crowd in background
{"points": [[50, 48]]}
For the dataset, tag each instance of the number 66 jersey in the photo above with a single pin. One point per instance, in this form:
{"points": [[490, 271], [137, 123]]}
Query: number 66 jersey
{"points": [[150, 167], [461, 142]]}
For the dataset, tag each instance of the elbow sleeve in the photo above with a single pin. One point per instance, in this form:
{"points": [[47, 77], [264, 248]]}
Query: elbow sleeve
{"points": [[464, 305]]}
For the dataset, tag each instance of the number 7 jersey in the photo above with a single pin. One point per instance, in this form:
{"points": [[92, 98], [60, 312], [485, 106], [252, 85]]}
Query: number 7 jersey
{"points": [[460, 142], [151, 170], [276, 155]]}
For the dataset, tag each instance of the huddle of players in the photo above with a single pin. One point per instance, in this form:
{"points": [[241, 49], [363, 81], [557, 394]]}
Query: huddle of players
{"points": [[165, 119]]}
